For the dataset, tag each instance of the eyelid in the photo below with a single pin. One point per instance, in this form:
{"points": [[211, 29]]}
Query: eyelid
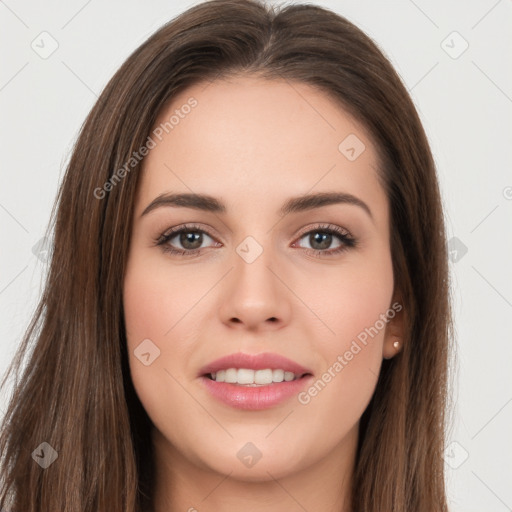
{"points": [[342, 234], [303, 231], [327, 226], [187, 226]]}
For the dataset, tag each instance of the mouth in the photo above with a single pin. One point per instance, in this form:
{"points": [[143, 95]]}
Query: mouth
{"points": [[244, 368], [254, 381], [254, 389], [254, 378]]}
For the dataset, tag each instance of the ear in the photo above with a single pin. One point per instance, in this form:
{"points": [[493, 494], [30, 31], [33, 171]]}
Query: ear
{"points": [[394, 328]]}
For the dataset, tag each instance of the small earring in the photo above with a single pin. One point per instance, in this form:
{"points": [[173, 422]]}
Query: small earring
{"points": [[396, 344]]}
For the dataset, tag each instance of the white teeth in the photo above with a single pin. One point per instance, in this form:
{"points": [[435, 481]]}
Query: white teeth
{"points": [[277, 375], [246, 377], [230, 375], [262, 376]]}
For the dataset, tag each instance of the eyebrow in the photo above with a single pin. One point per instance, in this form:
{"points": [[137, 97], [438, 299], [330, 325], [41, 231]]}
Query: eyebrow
{"points": [[293, 205]]}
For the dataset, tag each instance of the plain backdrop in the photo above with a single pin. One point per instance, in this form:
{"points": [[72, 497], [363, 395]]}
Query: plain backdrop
{"points": [[454, 58]]}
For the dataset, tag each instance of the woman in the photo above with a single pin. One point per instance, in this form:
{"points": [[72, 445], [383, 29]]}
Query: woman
{"points": [[191, 353]]}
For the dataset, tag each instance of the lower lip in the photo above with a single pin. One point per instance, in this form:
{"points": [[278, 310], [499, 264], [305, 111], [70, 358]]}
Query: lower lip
{"points": [[255, 397]]}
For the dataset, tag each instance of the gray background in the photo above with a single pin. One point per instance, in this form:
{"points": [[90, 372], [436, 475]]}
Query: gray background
{"points": [[465, 102]]}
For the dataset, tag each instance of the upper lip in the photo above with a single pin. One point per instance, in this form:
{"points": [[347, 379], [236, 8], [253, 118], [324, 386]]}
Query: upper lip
{"points": [[254, 362]]}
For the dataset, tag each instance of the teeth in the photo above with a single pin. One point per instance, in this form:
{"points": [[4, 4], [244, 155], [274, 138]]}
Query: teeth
{"points": [[245, 377]]}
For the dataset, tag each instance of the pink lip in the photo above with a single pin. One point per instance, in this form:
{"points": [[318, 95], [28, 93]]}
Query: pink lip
{"points": [[255, 398], [254, 362]]}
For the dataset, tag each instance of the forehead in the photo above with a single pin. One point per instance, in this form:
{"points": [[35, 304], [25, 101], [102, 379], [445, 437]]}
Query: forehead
{"points": [[242, 106], [252, 139]]}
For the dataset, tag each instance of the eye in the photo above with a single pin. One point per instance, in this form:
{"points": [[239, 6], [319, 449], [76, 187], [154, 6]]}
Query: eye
{"points": [[321, 238], [192, 237]]}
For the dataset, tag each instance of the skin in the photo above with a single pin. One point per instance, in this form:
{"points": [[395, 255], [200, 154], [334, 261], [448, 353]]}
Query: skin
{"points": [[254, 143]]}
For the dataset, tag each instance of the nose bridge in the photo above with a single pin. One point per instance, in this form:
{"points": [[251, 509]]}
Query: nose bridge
{"points": [[254, 293], [253, 261]]}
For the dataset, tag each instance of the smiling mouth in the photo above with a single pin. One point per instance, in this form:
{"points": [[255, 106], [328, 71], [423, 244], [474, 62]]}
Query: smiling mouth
{"points": [[254, 378]]}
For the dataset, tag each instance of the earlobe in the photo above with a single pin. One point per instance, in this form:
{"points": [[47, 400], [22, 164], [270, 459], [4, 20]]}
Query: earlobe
{"points": [[393, 340], [391, 348]]}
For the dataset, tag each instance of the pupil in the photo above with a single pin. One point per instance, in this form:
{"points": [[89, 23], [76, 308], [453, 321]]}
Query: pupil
{"points": [[324, 242], [191, 237]]}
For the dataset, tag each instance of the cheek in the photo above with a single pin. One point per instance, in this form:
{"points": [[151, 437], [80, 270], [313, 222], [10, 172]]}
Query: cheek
{"points": [[144, 306], [151, 309], [349, 301], [155, 298], [353, 307]]}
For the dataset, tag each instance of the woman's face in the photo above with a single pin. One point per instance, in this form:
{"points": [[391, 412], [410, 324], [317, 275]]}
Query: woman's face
{"points": [[259, 274]]}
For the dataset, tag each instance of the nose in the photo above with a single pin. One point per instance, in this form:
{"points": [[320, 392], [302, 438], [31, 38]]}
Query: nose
{"points": [[255, 296]]}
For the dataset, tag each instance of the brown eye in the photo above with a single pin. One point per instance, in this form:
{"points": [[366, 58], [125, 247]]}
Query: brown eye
{"points": [[185, 241], [321, 239], [190, 239]]}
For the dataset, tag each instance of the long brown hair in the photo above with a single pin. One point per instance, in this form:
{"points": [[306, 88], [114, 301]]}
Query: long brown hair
{"points": [[76, 393]]}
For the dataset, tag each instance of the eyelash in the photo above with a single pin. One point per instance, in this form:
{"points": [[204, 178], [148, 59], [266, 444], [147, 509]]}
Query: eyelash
{"points": [[347, 241]]}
